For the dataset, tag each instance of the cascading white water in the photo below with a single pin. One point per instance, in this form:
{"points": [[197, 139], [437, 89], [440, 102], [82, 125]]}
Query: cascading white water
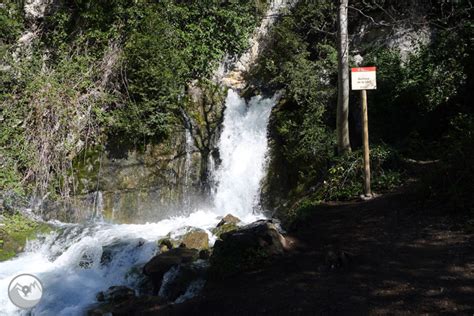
{"points": [[242, 148], [77, 261], [187, 168]]}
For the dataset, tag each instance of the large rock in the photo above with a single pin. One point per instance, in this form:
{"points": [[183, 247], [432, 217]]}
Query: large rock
{"points": [[225, 228], [163, 262], [227, 224], [247, 247], [178, 279], [116, 294], [188, 237], [131, 306], [195, 239], [228, 219]]}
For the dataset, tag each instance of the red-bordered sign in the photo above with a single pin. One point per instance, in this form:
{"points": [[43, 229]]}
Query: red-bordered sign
{"points": [[364, 78], [360, 69]]}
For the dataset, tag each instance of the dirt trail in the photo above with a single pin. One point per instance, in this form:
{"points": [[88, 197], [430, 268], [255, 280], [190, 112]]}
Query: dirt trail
{"points": [[381, 257]]}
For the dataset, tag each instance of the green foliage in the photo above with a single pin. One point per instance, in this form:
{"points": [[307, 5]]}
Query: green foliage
{"points": [[10, 22], [424, 107], [170, 44], [345, 177], [87, 26], [16, 153], [47, 122], [412, 112], [111, 67], [423, 92], [344, 181], [306, 73], [301, 60], [163, 46], [15, 231], [451, 181]]}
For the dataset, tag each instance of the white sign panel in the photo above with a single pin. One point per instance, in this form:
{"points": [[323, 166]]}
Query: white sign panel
{"points": [[364, 78]]}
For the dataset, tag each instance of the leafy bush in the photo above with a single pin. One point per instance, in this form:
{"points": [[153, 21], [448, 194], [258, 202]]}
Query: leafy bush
{"points": [[48, 123], [410, 113], [345, 177], [10, 22], [426, 91], [169, 45], [300, 59], [451, 182]]}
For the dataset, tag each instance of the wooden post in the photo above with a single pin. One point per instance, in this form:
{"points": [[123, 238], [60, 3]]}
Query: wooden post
{"points": [[365, 140]]}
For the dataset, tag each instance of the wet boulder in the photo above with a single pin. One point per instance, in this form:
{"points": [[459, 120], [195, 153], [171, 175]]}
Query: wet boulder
{"points": [[225, 228], [165, 244], [178, 279], [195, 239], [227, 224], [189, 237], [246, 248], [163, 262], [115, 294], [228, 219], [204, 254], [131, 306], [262, 234], [118, 246]]}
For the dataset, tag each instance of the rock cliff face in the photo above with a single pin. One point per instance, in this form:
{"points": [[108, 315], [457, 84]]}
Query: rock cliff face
{"points": [[404, 30], [129, 183], [126, 184], [232, 74], [151, 183]]}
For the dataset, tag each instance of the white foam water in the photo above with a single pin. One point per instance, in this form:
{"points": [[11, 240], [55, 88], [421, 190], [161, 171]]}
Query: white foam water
{"points": [[242, 148], [77, 261]]}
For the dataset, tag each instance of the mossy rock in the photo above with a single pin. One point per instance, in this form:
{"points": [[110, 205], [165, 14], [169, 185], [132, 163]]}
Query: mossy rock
{"points": [[165, 244], [229, 219], [227, 224], [222, 229], [193, 238], [196, 239], [15, 231]]}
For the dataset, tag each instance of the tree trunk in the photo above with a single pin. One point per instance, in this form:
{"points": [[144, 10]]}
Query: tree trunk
{"points": [[343, 142]]}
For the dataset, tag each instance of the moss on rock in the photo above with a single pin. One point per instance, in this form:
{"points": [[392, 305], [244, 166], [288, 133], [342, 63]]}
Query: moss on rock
{"points": [[228, 227], [15, 231]]}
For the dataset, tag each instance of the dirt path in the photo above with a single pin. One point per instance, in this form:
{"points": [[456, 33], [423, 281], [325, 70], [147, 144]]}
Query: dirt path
{"points": [[380, 257]]}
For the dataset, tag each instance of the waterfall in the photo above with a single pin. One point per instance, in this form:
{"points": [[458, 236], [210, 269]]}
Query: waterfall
{"points": [[76, 261], [187, 168], [242, 148], [98, 206]]}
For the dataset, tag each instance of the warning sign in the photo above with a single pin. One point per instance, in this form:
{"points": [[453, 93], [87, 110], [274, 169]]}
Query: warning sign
{"points": [[364, 78]]}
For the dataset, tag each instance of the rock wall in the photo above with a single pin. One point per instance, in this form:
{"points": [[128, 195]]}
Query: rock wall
{"points": [[404, 28], [152, 183], [126, 184], [129, 183], [232, 70]]}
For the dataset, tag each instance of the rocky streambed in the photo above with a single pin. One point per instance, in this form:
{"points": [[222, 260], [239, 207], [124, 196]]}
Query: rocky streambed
{"points": [[185, 263]]}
